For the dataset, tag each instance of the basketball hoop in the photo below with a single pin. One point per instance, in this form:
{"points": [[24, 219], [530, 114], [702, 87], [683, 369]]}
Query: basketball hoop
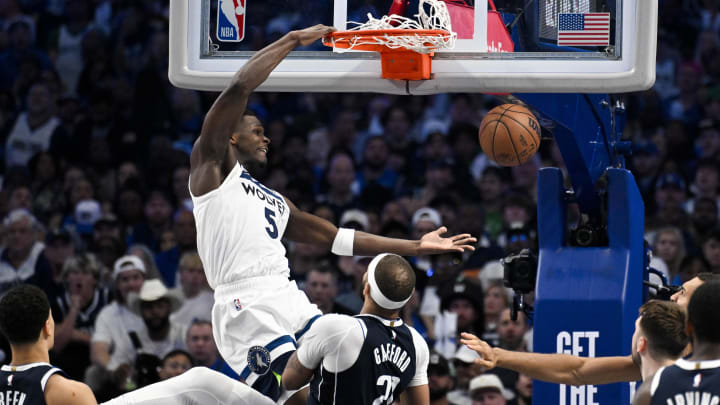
{"points": [[405, 45]]}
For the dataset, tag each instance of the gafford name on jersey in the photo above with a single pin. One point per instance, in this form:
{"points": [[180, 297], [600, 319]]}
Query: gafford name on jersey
{"points": [[392, 353]]}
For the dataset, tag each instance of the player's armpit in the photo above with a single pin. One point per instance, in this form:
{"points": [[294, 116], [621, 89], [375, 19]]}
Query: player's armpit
{"points": [[643, 396], [295, 375], [417, 395], [62, 391]]}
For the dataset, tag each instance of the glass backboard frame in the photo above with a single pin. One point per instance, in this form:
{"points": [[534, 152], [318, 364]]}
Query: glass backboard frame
{"points": [[588, 72]]}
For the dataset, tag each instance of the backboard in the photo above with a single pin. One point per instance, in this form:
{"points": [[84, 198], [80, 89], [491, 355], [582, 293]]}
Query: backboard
{"points": [[601, 46]]}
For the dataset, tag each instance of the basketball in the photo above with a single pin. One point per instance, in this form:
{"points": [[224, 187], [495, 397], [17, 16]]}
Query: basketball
{"points": [[509, 134]]}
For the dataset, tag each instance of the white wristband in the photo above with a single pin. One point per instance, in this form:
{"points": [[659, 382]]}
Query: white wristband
{"points": [[343, 243]]}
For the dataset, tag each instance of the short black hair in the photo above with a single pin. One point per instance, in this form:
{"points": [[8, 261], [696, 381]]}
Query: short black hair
{"points": [[703, 312], [395, 277], [23, 313]]}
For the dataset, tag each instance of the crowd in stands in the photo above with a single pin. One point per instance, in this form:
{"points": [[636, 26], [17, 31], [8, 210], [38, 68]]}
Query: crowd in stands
{"points": [[94, 168]]}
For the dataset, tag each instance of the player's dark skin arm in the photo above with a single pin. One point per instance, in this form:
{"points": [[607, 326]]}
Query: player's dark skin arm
{"points": [[307, 228], [642, 396], [295, 374], [418, 395], [209, 160], [556, 368]]}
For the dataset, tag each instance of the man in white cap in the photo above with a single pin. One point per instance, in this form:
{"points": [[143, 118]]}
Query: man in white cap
{"points": [[372, 357], [487, 389], [111, 346]]}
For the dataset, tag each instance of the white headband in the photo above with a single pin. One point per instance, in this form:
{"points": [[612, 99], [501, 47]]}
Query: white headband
{"points": [[375, 292]]}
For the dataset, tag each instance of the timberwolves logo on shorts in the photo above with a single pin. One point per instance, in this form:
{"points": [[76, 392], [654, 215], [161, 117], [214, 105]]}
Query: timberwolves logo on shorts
{"points": [[231, 20], [258, 360]]}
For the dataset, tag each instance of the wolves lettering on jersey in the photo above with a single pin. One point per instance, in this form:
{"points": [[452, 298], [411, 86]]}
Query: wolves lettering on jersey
{"points": [[263, 193], [687, 383], [239, 230]]}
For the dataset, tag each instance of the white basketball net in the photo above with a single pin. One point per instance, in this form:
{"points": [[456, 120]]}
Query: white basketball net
{"points": [[432, 15]]}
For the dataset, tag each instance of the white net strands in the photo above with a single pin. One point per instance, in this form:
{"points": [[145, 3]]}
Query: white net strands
{"points": [[432, 15]]}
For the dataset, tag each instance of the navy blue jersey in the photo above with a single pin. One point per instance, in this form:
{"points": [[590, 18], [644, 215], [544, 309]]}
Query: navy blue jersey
{"points": [[25, 385], [687, 383], [383, 369]]}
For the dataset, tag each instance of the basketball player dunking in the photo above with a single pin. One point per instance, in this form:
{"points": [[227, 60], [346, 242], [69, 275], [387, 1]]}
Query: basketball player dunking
{"points": [[28, 325], [260, 316], [372, 358], [695, 380]]}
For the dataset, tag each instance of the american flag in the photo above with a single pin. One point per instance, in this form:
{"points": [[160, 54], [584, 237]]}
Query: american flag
{"points": [[590, 29]]}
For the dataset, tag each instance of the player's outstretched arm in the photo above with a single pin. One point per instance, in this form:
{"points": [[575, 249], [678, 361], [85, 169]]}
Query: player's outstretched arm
{"points": [[62, 391], [556, 368], [295, 375], [418, 395], [307, 228], [227, 112]]}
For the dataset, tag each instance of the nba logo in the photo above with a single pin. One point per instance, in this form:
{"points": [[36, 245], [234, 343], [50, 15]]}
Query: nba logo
{"points": [[231, 20], [236, 301]]}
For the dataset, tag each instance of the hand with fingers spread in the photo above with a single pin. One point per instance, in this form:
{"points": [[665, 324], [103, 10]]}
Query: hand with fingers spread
{"points": [[311, 34], [433, 243], [488, 358]]}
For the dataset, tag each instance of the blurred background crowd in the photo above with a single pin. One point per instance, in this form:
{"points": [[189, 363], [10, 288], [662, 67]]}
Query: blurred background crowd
{"points": [[94, 166]]}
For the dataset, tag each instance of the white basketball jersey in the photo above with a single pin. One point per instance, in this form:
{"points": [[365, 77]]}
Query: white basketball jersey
{"points": [[239, 230]]}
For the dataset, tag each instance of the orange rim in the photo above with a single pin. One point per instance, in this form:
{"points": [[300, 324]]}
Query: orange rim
{"points": [[342, 39]]}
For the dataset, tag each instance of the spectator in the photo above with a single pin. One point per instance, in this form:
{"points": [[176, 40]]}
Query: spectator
{"points": [[111, 345], [341, 193], [524, 390], [198, 297], [487, 389], [707, 181], [465, 371], [75, 313], [492, 185], [464, 298], [375, 165], [174, 363], [21, 259], [440, 381], [158, 212], [184, 240], [154, 303], [36, 130], [58, 248], [669, 245], [496, 301], [704, 217], [711, 251], [424, 220], [201, 345], [691, 266], [512, 333], [321, 289]]}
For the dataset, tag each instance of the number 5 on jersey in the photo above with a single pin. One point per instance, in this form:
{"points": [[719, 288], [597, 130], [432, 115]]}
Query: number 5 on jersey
{"points": [[272, 230]]}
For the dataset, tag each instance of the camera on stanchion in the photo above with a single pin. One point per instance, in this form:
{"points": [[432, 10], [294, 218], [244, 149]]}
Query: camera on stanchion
{"points": [[520, 274]]}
